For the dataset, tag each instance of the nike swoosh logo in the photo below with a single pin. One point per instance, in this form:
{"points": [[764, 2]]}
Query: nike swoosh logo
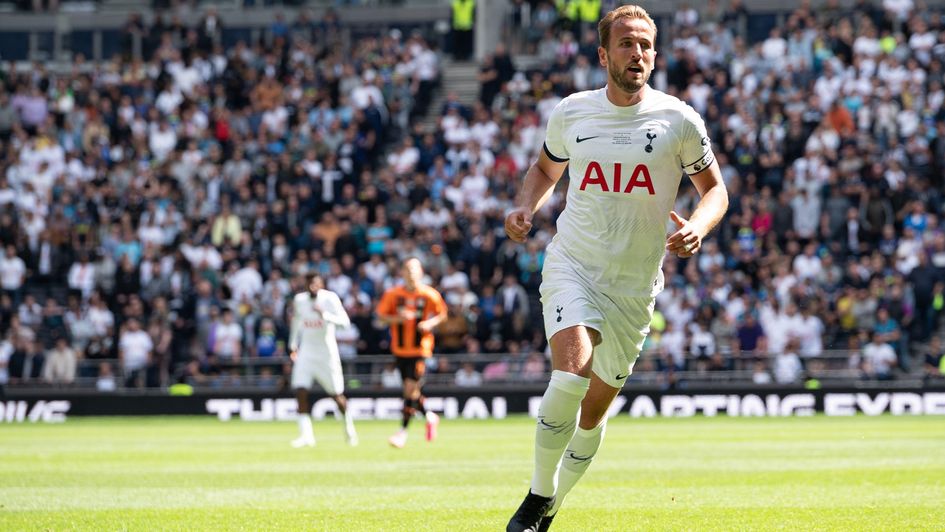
{"points": [[580, 140], [622, 377]]}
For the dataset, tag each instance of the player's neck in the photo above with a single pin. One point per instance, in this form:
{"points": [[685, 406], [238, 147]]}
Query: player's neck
{"points": [[625, 99]]}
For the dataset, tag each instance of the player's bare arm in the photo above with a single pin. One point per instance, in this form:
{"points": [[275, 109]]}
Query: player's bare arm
{"points": [[687, 239], [539, 183], [431, 323]]}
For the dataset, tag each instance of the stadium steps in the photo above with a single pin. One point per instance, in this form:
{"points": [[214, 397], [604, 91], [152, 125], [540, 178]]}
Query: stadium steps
{"points": [[458, 77]]}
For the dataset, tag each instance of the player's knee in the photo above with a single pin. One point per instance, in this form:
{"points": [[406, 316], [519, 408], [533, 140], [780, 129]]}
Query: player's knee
{"points": [[572, 349]]}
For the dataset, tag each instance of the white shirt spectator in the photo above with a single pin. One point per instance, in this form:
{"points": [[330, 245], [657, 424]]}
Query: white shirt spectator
{"points": [[674, 343], [340, 284], [701, 343], [135, 348], [866, 45], [761, 377], [807, 266], [185, 78], [162, 141], [12, 272], [774, 50], [787, 368], [367, 95], [6, 349], [806, 215], [60, 365], [474, 187], [428, 217], [456, 196], [106, 383], [168, 101], [347, 338], [922, 44], [468, 378], [82, 278], [880, 358], [699, 96], [101, 320], [811, 336], [484, 133], [313, 168], [228, 339], [246, 283], [276, 120], [390, 378], [376, 271], [404, 160], [900, 8], [458, 280], [199, 255]]}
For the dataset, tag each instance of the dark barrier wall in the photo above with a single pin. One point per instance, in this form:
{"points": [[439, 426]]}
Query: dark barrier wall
{"points": [[53, 406]]}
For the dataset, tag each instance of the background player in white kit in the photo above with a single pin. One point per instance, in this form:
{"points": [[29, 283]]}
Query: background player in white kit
{"points": [[314, 351], [626, 147]]}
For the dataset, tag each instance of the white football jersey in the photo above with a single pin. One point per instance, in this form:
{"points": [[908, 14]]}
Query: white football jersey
{"points": [[625, 164], [313, 324]]}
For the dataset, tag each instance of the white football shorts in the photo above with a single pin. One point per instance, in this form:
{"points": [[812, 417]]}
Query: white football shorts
{"points": [[326, 371], [623, 322]]}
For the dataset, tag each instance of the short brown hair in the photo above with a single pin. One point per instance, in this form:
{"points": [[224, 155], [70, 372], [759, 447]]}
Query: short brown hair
{"points": [[629, 11]]}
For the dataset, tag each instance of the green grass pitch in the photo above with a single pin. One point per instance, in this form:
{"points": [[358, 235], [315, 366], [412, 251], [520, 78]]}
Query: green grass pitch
{"points": [[815, 473]]}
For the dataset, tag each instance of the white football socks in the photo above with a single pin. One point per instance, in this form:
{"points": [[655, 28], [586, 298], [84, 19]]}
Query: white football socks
{"points": [[305, 426], [557, 419], [349, 424], [577, 458]]}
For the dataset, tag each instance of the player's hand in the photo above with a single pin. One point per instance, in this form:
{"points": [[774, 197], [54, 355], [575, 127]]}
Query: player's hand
{"points": [[518, 222], [686, 241], [425, 326], [293, 355]]}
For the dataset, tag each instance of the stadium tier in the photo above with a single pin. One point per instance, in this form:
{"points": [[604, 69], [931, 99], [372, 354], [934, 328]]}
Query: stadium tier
{"points": [[166, 184]]}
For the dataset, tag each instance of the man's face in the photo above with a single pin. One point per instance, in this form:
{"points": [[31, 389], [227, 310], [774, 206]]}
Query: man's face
{"points": [[413, 272], [315, 285], [629, 56]]}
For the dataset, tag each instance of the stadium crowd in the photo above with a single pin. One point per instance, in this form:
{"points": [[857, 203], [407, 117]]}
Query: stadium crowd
{"points": [[159, 213]]}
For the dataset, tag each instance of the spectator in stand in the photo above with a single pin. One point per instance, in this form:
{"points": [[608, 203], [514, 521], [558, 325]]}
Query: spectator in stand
{"points": [[467, 376], [879, 358], [934, 367], [60, 366], [135, 348]]}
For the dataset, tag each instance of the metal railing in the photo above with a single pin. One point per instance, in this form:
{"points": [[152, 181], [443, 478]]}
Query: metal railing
{"points": [[496, 370]]}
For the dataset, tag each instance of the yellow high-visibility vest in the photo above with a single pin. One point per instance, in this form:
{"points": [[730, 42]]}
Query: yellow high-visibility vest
{"points": [[567, 9], [463, 14], [589, 10]]}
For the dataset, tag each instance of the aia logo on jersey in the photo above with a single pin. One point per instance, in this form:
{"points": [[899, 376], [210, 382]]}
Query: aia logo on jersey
{"points": [[639, 178], [313, 324]]}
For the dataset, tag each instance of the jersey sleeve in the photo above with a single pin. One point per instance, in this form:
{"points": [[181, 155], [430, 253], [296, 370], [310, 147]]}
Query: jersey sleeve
{"points": [[296, 326], [555, 147], [695, 150], [436, 302], [386, 306], [335, 313]]}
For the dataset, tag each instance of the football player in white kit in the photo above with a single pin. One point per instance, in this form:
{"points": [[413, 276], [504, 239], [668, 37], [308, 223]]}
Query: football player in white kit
{"points": [[626, 147], [314, 352]]}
